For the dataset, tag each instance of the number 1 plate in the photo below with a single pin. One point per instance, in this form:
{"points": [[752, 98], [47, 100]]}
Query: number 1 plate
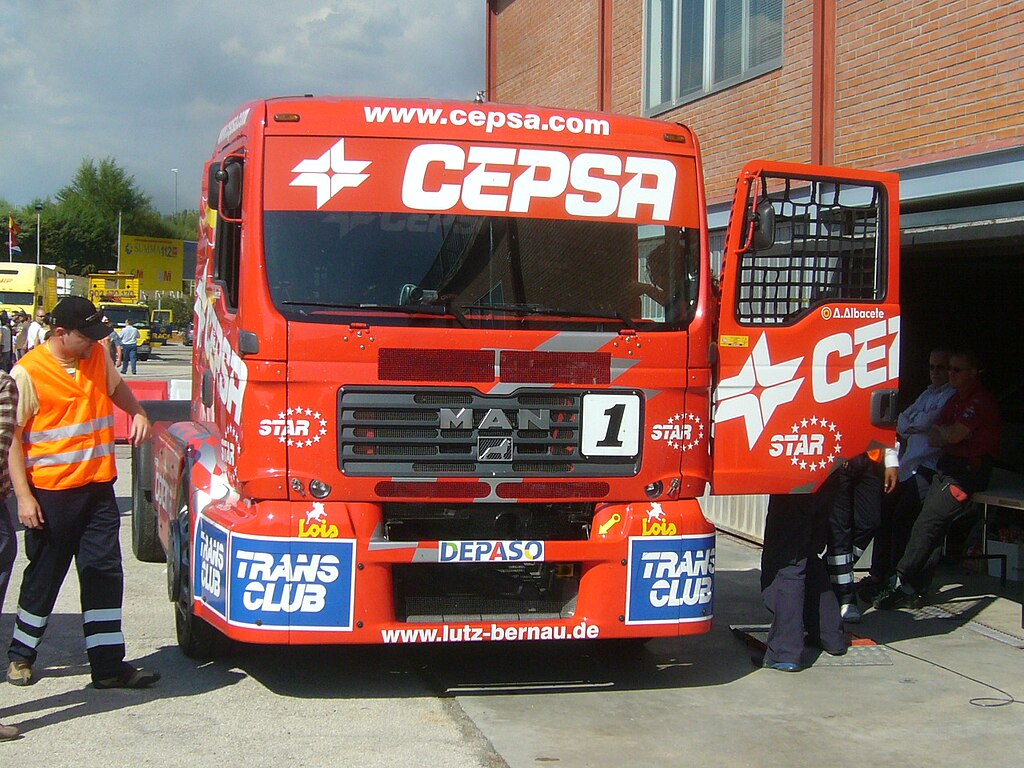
{"points": [[611, 425]]}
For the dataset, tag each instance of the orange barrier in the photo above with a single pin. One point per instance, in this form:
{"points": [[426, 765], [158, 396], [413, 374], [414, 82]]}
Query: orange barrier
{"points": [[143, 390]]}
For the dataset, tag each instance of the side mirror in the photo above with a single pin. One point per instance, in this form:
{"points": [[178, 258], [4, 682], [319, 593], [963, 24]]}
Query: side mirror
{"points": [[764, 226], [213, 187], [413, 294], [232, 185]]}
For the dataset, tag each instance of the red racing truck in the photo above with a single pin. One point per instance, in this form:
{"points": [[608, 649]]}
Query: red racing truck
{"points": [[462, 372]]}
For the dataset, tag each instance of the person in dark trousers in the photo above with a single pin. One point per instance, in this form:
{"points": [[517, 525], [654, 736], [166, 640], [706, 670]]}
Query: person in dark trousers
{"points": [[129, 338], [917, 464], [968, 432], [8, 538], [63, 471], [794, 583], [855, 517]]}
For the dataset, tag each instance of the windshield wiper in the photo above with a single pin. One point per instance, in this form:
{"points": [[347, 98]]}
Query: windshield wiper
{"points": [[405, 309], [536, 309]]}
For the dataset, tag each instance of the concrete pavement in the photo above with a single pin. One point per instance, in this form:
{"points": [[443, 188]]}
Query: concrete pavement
{"points": [[935, 691]]}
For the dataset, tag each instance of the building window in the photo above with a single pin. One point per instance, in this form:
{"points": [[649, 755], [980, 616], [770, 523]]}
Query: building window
{"points": [[696, 47]]}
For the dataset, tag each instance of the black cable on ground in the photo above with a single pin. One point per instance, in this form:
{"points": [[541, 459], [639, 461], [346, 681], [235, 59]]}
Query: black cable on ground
{"points": [[980, 701]]}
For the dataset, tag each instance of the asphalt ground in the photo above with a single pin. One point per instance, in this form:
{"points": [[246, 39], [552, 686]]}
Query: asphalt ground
{"points": [[939, 686]]}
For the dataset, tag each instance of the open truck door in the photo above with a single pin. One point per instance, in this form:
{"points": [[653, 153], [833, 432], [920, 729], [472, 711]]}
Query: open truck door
{"points": [[809, 331]]}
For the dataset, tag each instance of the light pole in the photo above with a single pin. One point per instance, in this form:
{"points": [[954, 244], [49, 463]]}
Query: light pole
{"points": [[39, 229], [175, 172]]}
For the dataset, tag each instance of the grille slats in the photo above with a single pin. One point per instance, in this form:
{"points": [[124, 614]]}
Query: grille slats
{"points": [[411, 433]]}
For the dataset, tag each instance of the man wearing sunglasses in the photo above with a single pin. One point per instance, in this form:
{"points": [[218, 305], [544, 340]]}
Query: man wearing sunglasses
{"points": [[968, 433], [63, 470], [916, 466]]}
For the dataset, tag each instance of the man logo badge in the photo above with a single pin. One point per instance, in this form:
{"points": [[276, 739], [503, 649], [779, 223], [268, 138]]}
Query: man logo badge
{"points": [[494, 448]]}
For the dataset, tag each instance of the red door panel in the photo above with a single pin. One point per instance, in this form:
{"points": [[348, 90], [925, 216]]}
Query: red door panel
{"points": [[810, 326]]}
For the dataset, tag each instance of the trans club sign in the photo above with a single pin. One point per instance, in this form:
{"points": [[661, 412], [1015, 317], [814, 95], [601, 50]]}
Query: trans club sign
{"points": [[275, 583], [455, 177], [671, 579]]}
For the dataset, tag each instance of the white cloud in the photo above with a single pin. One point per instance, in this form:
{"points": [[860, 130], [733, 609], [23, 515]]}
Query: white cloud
{"points": [[150, 84]]}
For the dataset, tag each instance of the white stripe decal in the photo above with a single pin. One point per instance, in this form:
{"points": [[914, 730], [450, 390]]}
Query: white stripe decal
{"points": [[31, 619], [104, 638], [102, 614], [839, 559], [25, 638]]}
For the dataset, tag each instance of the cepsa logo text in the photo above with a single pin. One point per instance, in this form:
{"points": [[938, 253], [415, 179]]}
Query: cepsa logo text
{"points": [[590, 185], [275, 579], [490, 551], [671, 579]]}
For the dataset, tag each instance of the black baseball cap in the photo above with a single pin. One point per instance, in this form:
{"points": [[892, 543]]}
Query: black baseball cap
{"points": [[78, 314]]}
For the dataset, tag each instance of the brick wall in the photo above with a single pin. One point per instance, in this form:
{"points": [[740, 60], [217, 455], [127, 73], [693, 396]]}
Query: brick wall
{"points": [[931, 80], [939, 79], [547, 53]]}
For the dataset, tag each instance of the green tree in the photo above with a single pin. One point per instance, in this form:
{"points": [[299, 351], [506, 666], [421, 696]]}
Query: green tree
{"points": [[184, 224], [80, 230], [182, 307]]}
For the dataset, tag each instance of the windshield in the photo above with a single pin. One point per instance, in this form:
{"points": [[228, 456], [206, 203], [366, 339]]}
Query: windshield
{"points": [[480, 268], [118, 315]]}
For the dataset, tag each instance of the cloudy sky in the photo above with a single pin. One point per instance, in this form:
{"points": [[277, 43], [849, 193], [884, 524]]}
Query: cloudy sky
{"points": [[150, 82]]}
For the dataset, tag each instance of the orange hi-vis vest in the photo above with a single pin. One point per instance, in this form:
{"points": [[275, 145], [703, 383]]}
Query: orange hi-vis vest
{"points": [[69, 443]]}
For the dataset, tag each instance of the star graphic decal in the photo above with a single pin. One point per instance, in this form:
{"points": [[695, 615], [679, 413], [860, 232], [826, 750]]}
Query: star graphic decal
{"points": [[777, 382], [330, 173]]}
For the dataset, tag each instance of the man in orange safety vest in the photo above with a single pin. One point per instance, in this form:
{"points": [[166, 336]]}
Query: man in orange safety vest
{"points": [[63, 470]]}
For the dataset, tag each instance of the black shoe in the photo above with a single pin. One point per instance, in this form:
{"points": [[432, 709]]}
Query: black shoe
{"points": [[816, 643], [869, 588], [893, 597], [128, 677]]}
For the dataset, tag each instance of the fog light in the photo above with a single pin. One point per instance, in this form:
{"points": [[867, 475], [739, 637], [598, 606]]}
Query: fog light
{"points": [[319, 489], [653, 490]]}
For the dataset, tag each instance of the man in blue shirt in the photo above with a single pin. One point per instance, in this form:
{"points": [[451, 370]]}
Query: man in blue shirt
{"points": [[129, 346], [901, 508]]}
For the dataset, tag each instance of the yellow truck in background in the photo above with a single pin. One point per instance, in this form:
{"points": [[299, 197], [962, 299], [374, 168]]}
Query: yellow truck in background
{"points": [[28, 287], [161, 325], [117, 295]]}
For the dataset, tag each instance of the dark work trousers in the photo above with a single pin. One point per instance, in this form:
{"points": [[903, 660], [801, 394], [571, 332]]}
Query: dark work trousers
{"points": [[899, 513], [853, 520], [945, 499], [794, 583], [83, 524], [8, 547]]}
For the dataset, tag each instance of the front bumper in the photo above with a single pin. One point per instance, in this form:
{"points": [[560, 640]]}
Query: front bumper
{"points": [[289, 574]]}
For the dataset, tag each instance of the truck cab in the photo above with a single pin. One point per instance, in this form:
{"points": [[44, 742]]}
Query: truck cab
{"points": [[161, 326], [462, 372], [118, 296]]}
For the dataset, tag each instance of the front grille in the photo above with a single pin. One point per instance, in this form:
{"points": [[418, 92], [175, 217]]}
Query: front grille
{"points": [[461, 592], [409, 433]]}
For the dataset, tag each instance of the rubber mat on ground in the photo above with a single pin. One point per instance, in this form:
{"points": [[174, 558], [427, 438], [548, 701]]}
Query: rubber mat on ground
{"points": [[863, 652]]}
